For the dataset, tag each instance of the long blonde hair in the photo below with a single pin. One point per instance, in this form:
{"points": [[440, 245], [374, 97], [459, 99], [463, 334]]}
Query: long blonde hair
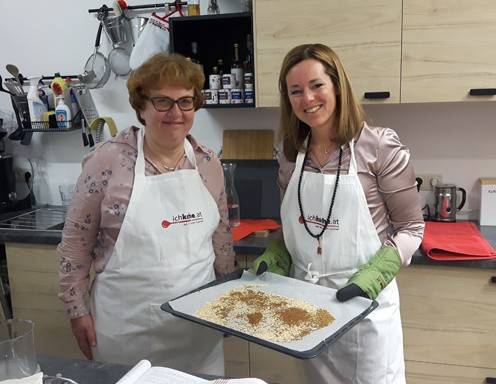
{"points": [[349, 113]]}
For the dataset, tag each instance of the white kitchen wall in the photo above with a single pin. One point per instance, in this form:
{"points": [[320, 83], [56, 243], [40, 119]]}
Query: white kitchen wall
{"points": [[455, 140]]}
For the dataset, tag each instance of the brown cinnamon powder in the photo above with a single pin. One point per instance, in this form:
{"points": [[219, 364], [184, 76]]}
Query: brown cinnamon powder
{"points": [[254, 318]]}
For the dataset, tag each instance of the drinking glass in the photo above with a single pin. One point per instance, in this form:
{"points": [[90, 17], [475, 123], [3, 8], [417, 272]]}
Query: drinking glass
{"points": [[17, 352], [66, 194]]}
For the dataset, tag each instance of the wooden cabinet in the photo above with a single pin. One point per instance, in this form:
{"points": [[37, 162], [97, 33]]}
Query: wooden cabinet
{"points": [[34, 284], [365, 34], [448, 48], [449, 317], [418, 50]]}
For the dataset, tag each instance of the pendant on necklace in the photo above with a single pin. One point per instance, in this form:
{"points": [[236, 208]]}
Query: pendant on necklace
{"points": [[319, 247]]}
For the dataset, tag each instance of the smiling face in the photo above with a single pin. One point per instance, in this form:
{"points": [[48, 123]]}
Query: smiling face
{"points": [[312, 94], [168, 129]]}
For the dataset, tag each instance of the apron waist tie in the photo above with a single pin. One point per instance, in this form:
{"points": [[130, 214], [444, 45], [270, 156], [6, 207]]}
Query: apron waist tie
{"points": [[314, 276]]}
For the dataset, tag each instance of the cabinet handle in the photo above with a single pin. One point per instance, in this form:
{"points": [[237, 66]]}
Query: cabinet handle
{"points": [[493, 280], [490, 380], [377, 95], [482, 92]]}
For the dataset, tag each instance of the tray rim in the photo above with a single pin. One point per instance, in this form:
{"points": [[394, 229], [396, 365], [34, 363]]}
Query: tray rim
{"points": [[307, 354]]}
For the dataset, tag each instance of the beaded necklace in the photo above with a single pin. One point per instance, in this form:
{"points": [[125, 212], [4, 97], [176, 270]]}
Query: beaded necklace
{"points": [[300, 205]]}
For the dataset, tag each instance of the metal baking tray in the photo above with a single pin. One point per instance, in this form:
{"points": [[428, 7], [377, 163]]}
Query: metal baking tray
{"points": [[347, 315]]}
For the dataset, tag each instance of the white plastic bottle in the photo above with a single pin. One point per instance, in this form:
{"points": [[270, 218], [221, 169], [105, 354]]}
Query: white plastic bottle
{"points": [[63, 113], [36, 106]]}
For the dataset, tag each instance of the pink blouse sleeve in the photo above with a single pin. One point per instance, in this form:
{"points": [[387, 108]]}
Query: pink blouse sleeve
{"points": [[396, 182], [80, 234], [285, 172]]}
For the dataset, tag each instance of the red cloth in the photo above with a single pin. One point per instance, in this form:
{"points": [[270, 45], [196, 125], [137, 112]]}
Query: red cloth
{"points": [[455, 241], [247, 227]]}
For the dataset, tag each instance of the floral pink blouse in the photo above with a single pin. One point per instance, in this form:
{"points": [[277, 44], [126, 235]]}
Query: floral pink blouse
{"points": [[99, 205]]}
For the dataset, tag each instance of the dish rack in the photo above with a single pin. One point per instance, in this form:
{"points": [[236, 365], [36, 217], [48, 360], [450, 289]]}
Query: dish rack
{"points": [[83, 118]]}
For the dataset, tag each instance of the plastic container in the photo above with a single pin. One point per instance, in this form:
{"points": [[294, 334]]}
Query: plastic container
{"points": [[17, 351], [36, 106], [61, 82], [63, 113]]}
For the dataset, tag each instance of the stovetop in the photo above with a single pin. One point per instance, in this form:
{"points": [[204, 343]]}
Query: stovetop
{"points": [[49, 218]]}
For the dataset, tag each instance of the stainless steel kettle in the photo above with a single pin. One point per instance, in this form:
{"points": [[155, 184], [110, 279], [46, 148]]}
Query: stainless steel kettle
{"points": [[446, 202]]}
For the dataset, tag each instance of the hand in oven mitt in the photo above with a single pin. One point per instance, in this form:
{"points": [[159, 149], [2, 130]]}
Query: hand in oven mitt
{"points": [[372, 277], [275, 259]]}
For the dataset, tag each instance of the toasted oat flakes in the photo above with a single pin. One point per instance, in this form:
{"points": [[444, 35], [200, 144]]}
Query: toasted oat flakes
{"points": [[265, 315]]}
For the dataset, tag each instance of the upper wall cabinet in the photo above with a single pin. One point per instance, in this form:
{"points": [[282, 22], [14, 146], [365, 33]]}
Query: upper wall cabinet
{"points": [[366, 34], [449, 50]]}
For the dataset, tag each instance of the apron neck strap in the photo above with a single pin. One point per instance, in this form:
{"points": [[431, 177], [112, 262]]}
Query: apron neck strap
{"points": [[353, 169], [300, 158]]}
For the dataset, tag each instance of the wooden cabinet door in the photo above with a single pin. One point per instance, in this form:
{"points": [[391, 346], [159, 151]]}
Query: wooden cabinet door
{"points": [[34, 284], [366, 34], [449, 47], [449, 317]]}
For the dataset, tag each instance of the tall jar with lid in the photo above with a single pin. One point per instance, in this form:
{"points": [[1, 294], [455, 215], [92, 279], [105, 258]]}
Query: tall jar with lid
{"points": [[231, 194]]}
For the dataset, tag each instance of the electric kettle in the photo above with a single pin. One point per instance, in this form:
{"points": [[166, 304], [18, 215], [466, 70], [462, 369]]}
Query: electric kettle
{"points": [[446, 202]]}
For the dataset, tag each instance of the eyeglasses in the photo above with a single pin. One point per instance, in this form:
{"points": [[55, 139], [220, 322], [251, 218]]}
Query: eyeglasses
{"points": [[164, 103]]}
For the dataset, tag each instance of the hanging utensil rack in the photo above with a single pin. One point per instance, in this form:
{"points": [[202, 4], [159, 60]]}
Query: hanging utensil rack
{"points": [[143, 6]]}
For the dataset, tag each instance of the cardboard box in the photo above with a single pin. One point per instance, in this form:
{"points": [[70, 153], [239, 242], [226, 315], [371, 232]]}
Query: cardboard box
{"points": [[488, 201]]}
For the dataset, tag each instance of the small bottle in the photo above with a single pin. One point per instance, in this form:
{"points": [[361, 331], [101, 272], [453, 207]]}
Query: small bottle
{"points": [[220, 67], [194, 54], [63, 113], [248, 62], [236, 68], [232, 194], [214, 80], [60, 81], [248, 66]]}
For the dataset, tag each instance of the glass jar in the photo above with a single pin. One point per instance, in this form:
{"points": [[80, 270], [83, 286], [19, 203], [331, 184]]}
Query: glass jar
{"points": [[231, 194], [213, 8], [193, 7], [247, 5]]}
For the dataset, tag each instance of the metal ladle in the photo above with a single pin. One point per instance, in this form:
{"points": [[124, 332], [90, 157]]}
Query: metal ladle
{"points": [[14, 71]]}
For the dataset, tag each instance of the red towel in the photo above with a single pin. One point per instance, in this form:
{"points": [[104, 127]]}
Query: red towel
{"points": [[455, 241], [247, 227]]}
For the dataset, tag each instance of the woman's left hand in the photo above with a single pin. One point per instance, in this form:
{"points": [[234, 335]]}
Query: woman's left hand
{"points": [[373, 277]]}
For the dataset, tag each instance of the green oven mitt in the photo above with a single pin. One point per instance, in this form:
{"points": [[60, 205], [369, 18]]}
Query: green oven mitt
{"points": [[275, 259], [373, 277]]}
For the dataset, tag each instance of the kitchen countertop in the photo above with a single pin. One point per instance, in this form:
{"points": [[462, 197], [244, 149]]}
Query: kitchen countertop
{"points": [[251, 245]]}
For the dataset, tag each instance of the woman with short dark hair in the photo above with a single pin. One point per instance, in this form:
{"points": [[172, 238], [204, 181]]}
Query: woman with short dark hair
{"points": [[150, 216]]}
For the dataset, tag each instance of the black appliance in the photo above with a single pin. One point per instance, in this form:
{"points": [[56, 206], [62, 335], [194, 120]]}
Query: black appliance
{"points": [[9, 201]]}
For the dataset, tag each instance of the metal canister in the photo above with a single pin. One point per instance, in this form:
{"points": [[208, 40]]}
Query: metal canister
{"points": [[228, 81], [248, 77], [236, 96], [211, 96], [224, 96], [249, 99], [214, 81]]}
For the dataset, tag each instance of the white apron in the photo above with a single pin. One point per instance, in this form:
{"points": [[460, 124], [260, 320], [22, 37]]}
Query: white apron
{"points": [[164, 249], [372, 352]]}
